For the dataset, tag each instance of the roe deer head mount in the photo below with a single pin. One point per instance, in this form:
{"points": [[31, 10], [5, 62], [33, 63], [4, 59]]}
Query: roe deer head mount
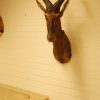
{"points": [[61, 44]]}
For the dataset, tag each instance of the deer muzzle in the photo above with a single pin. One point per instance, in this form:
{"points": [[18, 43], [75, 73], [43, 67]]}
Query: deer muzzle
{"points": [[50, 37], [51, 31]]}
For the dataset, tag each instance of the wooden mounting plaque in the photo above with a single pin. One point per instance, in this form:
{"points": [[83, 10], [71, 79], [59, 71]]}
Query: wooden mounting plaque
{"points": [[12, 93]]}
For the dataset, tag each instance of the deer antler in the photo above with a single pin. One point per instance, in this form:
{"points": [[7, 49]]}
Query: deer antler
{"points": [[57, 5], [64, 6], [41, 6], [48, 4]]}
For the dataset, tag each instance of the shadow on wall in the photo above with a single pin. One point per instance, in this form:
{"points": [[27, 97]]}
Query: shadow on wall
{"points": [[79, 25], [75, 24], [92, 7]]}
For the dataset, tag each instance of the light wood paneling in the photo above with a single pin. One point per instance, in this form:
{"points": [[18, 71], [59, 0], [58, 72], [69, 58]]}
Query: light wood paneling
{"points": [[26, 58]]}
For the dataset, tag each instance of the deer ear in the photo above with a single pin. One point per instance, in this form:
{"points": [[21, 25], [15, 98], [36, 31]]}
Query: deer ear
{"points": [[64, 7], [41, 6]]}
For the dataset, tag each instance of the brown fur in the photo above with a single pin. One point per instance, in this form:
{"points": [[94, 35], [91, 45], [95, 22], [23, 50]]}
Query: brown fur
{"points": [[61, 44], [1, 25], [62, 48]]}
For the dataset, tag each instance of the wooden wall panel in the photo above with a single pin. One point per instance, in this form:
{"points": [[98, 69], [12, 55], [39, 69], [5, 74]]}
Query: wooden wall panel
{"points": [[26, 58]]}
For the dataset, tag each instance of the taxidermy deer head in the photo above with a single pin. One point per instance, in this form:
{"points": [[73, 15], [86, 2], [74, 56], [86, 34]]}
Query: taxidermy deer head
{"points": [[1, 26], [61, 44]]}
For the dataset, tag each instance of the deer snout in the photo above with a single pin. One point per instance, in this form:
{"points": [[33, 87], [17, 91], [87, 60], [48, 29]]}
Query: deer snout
{"points": [[50, 37]]}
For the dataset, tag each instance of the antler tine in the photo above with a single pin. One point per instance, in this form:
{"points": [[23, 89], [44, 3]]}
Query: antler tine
{"points": [[48, 4], [64, 6], [58, 4], [41, 6]]}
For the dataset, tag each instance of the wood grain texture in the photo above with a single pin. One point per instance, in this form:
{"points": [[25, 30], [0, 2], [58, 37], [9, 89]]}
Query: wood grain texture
{"points": [[26, 59]]}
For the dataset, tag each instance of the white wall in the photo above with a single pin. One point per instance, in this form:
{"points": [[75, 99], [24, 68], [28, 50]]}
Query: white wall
{"points": [[26, 58]]}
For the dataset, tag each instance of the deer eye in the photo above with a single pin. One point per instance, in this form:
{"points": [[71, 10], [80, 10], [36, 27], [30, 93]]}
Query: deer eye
{"points": [[47, 15]]}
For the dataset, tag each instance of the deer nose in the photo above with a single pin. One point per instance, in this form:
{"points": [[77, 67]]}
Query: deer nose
{"points": [[50, 37]]}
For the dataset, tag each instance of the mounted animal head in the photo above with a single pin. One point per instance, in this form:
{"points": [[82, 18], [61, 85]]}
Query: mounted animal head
{"points": [[53, 13]]}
